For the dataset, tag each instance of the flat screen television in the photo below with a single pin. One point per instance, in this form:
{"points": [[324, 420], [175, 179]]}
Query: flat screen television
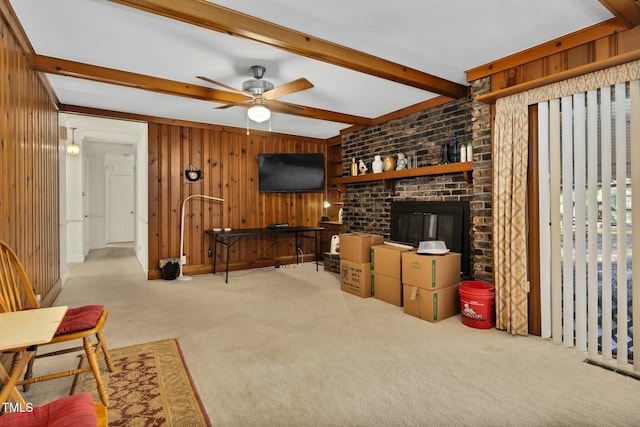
{"points": [[290, 172]]}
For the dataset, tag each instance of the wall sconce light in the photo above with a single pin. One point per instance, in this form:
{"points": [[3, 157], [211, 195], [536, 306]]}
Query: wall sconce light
{"points": [[73, 149]]}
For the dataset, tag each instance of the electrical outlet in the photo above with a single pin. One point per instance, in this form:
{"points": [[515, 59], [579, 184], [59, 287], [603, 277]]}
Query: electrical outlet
{"points": [[210, 253], [183, 259]]}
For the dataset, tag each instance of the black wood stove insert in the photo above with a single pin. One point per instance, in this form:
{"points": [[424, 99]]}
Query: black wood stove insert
{"points": [[413, 222]]}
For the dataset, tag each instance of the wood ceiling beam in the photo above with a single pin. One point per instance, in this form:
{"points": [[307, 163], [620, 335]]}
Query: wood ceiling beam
{"points": [[221, 19], [320, 114], [63, 67], [411, 109], [143, 118], [627, 11]]}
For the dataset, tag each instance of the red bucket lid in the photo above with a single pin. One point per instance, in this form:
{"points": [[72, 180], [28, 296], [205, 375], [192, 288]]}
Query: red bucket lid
{"points": [[477, 286]]}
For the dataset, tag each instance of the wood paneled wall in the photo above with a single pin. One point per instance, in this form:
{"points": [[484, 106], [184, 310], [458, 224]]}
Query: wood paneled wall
{"points": [[29, 214], [228, 159], [600, 43]]}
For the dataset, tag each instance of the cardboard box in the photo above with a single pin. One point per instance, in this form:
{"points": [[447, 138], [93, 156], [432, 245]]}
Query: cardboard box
{"points": [[431, 306], [355, 278], [356, 247], [431, 271], [387, 260], [387, 289]]}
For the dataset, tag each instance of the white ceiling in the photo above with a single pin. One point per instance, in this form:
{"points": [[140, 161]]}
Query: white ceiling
{"points": [[442, 38]]}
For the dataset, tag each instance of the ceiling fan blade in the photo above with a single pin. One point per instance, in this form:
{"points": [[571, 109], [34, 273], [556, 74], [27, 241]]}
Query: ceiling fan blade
{"points": [[287, 88], [207, 79], [283, 107], [235, 104]]}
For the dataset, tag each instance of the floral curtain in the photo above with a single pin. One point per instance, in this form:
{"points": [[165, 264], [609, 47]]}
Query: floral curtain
{"points": [[510, 154], [510, 157]]}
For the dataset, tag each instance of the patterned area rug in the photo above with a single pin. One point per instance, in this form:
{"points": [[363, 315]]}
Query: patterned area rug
{"points": [[150, 387]]}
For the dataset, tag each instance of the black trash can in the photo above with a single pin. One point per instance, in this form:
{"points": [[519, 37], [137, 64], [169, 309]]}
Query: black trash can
{"points": [[170, 268]]}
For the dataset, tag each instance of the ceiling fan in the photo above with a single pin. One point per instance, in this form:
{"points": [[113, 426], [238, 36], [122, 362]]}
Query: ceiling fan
{"points": [[261, 94]]}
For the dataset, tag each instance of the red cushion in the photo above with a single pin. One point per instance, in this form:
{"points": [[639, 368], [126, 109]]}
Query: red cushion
{"points": [[80, 318], [71, 411]]}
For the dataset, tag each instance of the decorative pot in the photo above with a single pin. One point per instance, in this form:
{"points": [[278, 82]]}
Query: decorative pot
{"points": [[377, 165], [389, 163], [402, 162]]}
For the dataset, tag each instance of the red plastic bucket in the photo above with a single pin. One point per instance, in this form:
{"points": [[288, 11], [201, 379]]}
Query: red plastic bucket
{"points": [[477, 301]]}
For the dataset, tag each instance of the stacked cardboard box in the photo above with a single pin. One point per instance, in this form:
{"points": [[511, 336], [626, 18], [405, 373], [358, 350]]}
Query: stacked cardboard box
{"points": [[355, 262], [386, 273], [430, 285]]}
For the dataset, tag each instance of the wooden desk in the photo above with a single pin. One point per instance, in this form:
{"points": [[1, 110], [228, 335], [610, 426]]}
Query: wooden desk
{"points": [[229, 238], [20, 331]]}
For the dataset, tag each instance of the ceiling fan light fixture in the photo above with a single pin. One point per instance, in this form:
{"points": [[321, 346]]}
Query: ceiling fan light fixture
{"points": [[259, 113]]}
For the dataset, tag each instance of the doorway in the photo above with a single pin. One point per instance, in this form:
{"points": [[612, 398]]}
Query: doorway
{"points": [[103, 190]]}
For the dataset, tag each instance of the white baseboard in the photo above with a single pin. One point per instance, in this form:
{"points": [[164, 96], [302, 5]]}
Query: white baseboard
{"points": [[75, 258]]}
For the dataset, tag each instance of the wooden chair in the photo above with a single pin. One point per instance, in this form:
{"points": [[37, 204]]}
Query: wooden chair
{"points": [[74, 410], [16, 293]]}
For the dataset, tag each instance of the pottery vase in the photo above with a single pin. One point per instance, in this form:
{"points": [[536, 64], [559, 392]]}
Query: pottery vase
{"points": [[377, 165], [389, 163]]}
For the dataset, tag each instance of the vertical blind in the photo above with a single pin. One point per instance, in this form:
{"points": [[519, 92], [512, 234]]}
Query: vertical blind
{"points": [[589, 148]]}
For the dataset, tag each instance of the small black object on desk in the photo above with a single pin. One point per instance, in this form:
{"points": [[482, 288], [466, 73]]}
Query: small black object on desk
{"points": [[231, 237]]}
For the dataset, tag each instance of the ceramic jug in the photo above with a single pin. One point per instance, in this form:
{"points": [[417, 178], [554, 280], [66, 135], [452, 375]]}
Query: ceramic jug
{"points": [[377, 165]]}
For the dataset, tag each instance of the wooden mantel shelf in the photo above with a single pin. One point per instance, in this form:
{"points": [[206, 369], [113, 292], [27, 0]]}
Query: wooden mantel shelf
{"points": [[389, 178]]}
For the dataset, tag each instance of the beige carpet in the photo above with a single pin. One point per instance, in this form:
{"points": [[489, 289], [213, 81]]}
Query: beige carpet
{"points": [[287, 347]]}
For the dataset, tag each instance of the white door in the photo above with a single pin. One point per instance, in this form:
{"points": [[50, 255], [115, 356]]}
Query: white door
{"points": [[121, 208]]}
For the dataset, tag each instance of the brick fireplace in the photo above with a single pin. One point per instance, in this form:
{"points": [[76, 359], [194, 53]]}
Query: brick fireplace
{"points": [[367, 206]]}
